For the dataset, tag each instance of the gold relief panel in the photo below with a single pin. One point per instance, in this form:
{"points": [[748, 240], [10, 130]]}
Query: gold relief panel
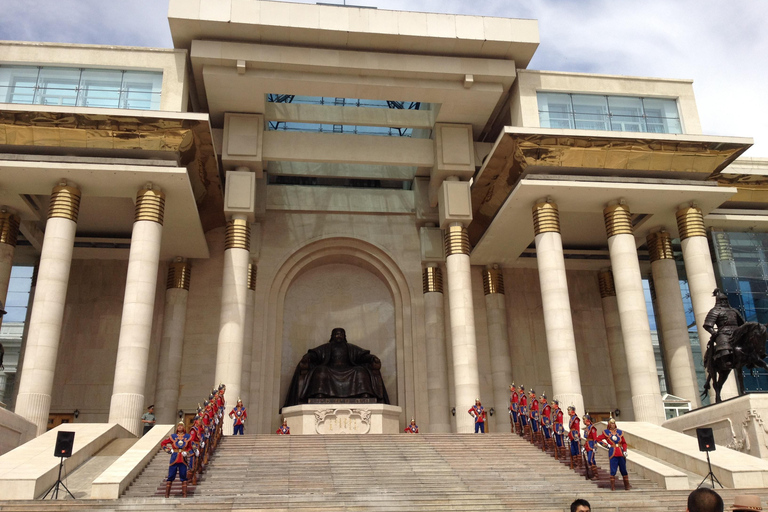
{"points": [[690, 222], [9, 228], [618, 220], [65, 203], [660, 246]]}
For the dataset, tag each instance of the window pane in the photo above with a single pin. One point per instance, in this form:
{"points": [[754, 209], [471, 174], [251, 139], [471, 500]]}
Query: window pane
{"points": [[100, 88], [141, 90], [661, 115], [17, 84], [57, 86], [555, 110], [590, 112], [626, 114]]}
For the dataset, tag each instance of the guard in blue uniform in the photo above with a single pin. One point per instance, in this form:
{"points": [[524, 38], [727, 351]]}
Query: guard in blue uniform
{"points": [[574, 436], [179, 446]]}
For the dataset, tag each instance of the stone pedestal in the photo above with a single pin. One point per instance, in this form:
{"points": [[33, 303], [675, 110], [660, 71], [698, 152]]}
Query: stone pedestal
{"points": [[313, 419], [738, 423]]}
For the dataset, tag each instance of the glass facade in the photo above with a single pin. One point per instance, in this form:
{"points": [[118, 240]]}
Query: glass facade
{"points": [[105, 88], [388, 131], [743, 275], [608, 113]]}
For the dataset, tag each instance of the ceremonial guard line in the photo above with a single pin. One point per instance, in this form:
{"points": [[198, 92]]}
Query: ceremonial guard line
{"points": [[542, 424], [190, 451]]}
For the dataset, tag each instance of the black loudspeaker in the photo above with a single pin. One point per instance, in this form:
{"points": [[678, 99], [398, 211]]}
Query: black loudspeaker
{"points": [[706, 439], [64, 442]]}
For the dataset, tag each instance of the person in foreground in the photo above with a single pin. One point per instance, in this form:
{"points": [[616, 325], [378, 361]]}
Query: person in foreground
{"points": [[179, 446], [746, 503], [580, 505], [613, 439], [705, 500]]}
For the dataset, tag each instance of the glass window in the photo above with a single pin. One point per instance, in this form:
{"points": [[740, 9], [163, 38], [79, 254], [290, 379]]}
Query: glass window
{"points": [[100, 88], [104, 88], [57, 86], [609, 113]]}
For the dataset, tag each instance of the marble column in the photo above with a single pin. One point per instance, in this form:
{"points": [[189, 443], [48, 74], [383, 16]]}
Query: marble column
{"points": [[676, 344], [9, 233], [250, 301], [701, 279], [133, 343], [556, 306], [635, 328], [498, 339], [437, 369], [234, 291], [466, 380], [42, 346], [172, 343], [615, 345]]}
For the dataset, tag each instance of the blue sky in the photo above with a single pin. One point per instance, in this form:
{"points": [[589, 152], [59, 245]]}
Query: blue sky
{"points": [[722, 46]]}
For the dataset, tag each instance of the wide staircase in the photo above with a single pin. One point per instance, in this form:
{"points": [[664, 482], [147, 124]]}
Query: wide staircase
{"points": [[425, 472]]}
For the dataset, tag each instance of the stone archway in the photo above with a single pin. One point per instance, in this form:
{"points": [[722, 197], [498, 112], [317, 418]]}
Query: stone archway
{"points": [[339, 251]]}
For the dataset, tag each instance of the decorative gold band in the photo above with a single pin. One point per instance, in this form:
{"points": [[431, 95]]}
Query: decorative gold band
{"points": [[9, 228], [618, 220], [493, 281], [723, 247], [65, 203], [179, 274], [252, 276], [660, 246], [607, 288], [238, 235], [690, 222], [456, 240], [150, 206], [432, 279], [546, 218]]}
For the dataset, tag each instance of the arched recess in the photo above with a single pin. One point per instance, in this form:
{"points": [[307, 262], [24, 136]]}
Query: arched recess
{"points": [[330, 251]]}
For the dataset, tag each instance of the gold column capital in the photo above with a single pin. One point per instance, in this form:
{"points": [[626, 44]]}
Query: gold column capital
{"points": [[607, 287], [690, 222], [723, 246], [252, 269], [618, 220], [238, 234], [150, 205], [546, 218], [65, 203], [660, 246], [432, 279], [179, 275], [456, 240], [9, 228], [493, 280]]}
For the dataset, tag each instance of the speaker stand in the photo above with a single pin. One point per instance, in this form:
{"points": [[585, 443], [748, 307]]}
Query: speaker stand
{"points": [[710, 475], [55, 487]]}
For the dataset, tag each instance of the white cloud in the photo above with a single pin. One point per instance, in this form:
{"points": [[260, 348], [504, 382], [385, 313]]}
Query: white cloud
{"points": [[723, 47]]}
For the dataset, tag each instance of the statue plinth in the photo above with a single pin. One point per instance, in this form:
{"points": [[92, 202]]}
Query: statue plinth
{"points": [[343, 418]]}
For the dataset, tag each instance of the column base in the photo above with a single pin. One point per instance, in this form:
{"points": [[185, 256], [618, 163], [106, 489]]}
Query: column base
{"points": [[35, 408], [126, 409], [648, 408]]}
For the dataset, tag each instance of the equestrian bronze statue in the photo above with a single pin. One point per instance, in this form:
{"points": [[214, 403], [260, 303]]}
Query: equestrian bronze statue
{"points": [[337, 369], [734, 345]]}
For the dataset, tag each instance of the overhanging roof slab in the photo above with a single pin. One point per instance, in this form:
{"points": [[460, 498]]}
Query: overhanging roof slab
{"points": [[512, 229]]}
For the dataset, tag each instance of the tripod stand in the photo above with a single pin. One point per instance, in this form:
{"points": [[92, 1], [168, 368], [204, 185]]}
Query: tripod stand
{"points": [[59, 483], [710, 475]]}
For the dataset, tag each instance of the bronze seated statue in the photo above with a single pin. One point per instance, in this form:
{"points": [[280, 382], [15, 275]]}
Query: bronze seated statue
{"points": [[337, 369]]}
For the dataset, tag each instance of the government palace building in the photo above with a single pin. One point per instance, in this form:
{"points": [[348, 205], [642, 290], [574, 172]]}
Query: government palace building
{"points": [[175, 219]]}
